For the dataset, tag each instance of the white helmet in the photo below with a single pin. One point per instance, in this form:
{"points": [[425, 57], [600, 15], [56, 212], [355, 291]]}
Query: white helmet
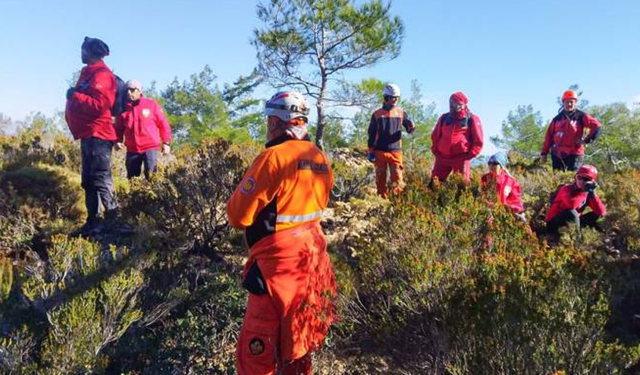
{"points": [[391, 90], [287, 105]]}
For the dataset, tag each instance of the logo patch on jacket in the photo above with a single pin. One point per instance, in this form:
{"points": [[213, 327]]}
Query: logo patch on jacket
{"points": [[146, 112], [248, 186], [507, 190]]}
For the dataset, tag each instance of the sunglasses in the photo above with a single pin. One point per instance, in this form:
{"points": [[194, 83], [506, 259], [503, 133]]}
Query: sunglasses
{"points": [[585, 179], [493, 163], [132, 89]]}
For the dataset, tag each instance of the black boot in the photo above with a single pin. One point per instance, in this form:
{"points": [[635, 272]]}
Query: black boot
{"points": [[114, 223], [92, 227]]}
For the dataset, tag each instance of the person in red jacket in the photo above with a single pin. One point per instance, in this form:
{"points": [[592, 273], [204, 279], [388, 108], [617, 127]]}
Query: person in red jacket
{"points": [[571, 200], [385, 141], [289, 276], [507, 189], [144, 128], [456, 139], [565, 135], [88, 114]]}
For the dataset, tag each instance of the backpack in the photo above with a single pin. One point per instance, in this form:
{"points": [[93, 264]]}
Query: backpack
{"points": [[119, 104]]}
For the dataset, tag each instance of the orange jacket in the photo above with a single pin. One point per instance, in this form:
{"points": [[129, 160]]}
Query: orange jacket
{"points": [[288, 184]]}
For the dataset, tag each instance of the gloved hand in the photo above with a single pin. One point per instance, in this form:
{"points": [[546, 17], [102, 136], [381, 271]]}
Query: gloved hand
{"points": [[543, 158], [70, 92], [371, 157], [411, 129], [590, 187]]}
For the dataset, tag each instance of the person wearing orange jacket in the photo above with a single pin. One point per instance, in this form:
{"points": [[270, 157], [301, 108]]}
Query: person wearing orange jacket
{"points": [[289, 276], [88, 114], [385, 141], [570, 201], [507, 189], [565, 136], [144, 128], [456, 139]]}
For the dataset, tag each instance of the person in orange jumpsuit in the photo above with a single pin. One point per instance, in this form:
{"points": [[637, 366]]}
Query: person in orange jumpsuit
{"points": [[289, 276], [507, 188], [385, 141]]}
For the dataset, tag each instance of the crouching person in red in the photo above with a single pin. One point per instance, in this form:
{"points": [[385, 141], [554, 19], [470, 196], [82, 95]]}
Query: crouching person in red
{"points": [[289, 275], [456, 139], [144, 128], [571, 200], [507, 189]]}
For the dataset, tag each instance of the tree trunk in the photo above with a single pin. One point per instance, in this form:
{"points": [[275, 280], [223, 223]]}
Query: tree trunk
{"points": [[321, 116]]}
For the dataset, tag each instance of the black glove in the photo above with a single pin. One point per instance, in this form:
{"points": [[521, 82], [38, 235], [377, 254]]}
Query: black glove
{"points": [[590, 187], [70, 92]]}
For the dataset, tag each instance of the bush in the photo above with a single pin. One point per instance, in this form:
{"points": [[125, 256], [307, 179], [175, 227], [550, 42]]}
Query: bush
{"points": [[445, 284], [56, 190], [88, 303], [353, 173], [188, 200]]}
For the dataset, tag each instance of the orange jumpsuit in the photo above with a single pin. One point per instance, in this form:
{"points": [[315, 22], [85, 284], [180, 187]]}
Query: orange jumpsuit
{"points": [[290, 308]]}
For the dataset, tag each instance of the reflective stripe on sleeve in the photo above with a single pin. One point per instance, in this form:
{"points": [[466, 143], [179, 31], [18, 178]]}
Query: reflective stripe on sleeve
{"points": [[298, 218]]}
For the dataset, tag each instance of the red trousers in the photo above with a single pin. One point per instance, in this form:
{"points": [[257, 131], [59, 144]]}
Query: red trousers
{"points": [[393, 161], [281, 327], [443, 167]]}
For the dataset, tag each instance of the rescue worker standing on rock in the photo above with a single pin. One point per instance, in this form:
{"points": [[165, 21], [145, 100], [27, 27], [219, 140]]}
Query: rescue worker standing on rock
{"points": [[289, 276], [507, 189], [571, 200], [564, 138], [385, 141], [456, 139]]}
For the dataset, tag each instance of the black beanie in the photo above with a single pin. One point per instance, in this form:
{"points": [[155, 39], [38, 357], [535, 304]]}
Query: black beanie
{"points": [[96, 48]]}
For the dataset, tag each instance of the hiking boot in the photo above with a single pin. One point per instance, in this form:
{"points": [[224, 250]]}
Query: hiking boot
{"points": [[114, 223], [90, 228]]}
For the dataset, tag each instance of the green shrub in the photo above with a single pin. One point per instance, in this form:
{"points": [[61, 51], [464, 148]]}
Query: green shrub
{"points": [[445, 283], [188, 200], [56, 190]]}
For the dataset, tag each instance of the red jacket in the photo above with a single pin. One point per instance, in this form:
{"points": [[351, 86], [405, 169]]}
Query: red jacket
{"points": [[385, 129], [507, 188], [143, 126], [569, 197], [457, 139], [88, 111], [566, 129]]}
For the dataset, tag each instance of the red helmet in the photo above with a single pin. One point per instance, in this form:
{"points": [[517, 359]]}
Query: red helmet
{"points": [[587, 171], [569, 94]]}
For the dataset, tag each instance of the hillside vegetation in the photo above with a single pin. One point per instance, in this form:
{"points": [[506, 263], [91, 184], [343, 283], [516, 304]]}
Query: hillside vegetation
{"points": [[435, 281]]}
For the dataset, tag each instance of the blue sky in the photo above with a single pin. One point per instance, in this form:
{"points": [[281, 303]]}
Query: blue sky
{"points": [[501, 53]]}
